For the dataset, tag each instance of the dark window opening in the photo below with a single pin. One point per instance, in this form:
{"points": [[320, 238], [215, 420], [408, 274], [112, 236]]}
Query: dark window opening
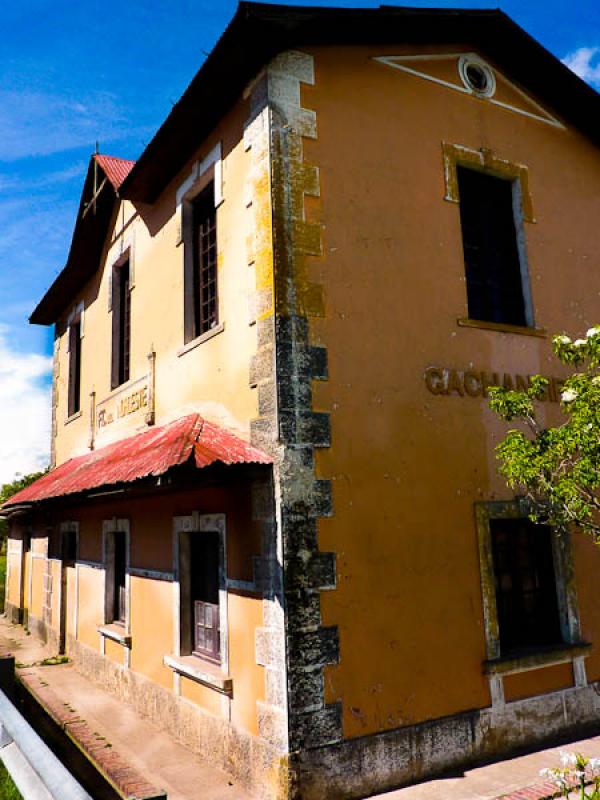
{"points": [[492, 263], [477, 78], [121, 339], [68, 546], [204, 593], [74, 397], [526, 597], [120, 570]]}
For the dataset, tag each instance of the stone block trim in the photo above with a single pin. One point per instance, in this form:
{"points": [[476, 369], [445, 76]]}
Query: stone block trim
{"points": [[302, 496], [128, 781]]}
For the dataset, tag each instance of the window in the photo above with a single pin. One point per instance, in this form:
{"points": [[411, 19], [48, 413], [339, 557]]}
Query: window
{"points": [[204, 593], [525, 584], [116, 559], [121, 323], [200, 260], [74, 392], [200, 579], [68, 546], [497, 285]]}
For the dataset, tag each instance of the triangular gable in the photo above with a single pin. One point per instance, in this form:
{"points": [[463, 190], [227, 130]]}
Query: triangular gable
{"points": [[445, 69], [104, 177]]}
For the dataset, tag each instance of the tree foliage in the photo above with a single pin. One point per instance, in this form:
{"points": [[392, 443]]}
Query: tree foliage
{"points": [[9, 489], [558, 468]]}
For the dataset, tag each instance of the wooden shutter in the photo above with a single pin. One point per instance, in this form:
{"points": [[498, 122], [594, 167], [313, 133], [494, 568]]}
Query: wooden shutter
{"points": [[187, 229]]}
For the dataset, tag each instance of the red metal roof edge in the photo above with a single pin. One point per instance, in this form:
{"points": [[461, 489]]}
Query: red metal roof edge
{"points": [[150, 453]]}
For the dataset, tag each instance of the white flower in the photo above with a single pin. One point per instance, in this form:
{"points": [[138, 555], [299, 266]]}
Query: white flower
{"points": [[565, 757], [579, 342], [568, 395], [595, 331], [546, 773], [562, 339], [594, 763], [596, 381]]}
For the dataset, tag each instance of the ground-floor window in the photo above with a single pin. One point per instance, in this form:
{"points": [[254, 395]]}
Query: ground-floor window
{"points": [[200, 582], [528, 585], [204, 591], [116, 564], [68, 544], [525, 585]]}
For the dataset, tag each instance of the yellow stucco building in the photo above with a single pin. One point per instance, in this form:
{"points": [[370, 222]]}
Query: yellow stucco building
{"points": [[274, 521]]}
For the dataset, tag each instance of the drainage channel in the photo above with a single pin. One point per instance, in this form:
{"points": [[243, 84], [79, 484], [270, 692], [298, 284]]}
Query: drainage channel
{"points": [[63, 747], [43, 761]]}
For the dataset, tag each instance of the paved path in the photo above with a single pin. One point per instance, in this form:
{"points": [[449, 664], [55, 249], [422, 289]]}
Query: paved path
{"points": [[154, 754], [512, 779]]}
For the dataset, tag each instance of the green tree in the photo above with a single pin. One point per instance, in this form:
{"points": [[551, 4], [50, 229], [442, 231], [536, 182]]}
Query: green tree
{"points": [[557, 468], [9, 489]]}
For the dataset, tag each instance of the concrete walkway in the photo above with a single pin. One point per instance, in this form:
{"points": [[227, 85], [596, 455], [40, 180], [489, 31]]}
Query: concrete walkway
{"points": [[119, 734], [511, 779]]}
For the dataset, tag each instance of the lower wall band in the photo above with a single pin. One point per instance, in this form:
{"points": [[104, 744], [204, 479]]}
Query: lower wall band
{"points": [[359, 767], [259, 767]]}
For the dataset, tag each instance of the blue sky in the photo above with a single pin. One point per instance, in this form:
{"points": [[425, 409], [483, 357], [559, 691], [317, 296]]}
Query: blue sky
{"points": [[74, 73]]}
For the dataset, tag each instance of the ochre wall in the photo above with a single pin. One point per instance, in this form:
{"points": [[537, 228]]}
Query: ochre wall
{"points": [[152, 600], [211, 378], [152, 618], [408, 466], [13, 568]]}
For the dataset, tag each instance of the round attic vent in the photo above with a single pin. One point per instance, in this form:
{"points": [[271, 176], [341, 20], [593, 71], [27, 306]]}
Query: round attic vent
{"points": [[477, 76]]}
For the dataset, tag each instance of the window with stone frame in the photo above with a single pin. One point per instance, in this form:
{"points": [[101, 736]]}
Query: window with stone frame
{"points": [[201, 587], [116, 544], [74, 388], [495, 268], [121, 323], [527, 581], [199, 226], [69, 546]]}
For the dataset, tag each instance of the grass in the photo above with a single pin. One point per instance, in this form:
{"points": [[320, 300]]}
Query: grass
{"points": [[8, 791]]}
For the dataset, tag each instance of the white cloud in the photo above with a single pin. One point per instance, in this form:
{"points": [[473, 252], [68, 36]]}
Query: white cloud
{"points": [[24, 410], [44, 180], [38, 123], [585, 62]]}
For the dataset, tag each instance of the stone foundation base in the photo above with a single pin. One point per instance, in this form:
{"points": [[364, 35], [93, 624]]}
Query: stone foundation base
{"points": [[258, 766], [361, 767], [13, 613], [43, 631]]}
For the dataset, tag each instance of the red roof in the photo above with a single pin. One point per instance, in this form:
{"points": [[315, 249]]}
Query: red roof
{"points": [[116, 169], [152, 452]]}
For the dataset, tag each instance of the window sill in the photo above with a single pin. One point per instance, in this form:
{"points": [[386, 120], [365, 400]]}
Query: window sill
{"points": [[542, 658], [201, 339], [201, 671], [73, 417], [117, 633], [503, 327]]}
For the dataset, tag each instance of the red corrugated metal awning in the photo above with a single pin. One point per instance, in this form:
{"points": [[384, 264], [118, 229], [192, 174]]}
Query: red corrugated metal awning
{"points": [[150, 453]]}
